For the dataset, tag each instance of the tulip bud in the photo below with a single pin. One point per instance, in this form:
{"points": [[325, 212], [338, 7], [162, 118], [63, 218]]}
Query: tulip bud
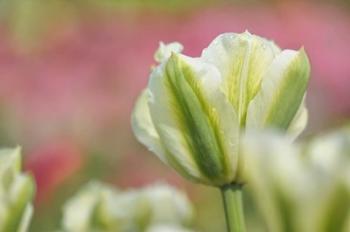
{"points": [[194, 110], [16, 193]]}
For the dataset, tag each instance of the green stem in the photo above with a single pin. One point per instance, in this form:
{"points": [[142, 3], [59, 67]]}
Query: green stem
{"points": [[233, 205]]}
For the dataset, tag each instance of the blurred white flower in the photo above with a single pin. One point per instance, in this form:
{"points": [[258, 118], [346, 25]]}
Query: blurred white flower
{"points": [[16, 193], [99, 207], [331, 151], [168, 205], [299, 187]]}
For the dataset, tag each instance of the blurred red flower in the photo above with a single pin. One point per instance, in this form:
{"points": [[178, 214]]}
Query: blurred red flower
{"points": [[51, 165]]}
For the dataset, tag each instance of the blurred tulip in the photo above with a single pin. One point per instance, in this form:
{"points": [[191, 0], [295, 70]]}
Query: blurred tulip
{"points": [[103, 208], [100, 207], [16, 193], [193, 110], [168, 205], [297, 190], [331, 151]]}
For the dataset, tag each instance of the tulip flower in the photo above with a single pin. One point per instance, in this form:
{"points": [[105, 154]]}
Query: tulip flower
{"points": [[194, 110], [16, 193], [99, 207], [168, 206], [298, 187]]}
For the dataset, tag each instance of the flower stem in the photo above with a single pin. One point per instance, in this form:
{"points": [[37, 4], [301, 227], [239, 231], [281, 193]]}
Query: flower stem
{"points": [[233, 205]]}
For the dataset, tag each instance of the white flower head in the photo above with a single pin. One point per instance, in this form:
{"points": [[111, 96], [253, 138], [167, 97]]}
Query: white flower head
{"points": [[194, 110]]}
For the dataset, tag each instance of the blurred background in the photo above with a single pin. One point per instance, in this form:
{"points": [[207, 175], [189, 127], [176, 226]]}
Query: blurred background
{"points": [[70, 72]]}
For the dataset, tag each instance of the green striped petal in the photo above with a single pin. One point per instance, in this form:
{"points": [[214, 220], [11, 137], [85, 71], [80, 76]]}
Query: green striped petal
{"points": [[147, 134], [282, 90], [242, 59], [191, 117]]}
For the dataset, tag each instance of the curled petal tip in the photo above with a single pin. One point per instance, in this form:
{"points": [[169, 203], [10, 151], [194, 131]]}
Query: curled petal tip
{"points": [[164, 51]]}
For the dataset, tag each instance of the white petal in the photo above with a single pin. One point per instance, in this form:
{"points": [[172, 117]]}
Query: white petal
{"points": [[282, 91], [164, 51], [242, 59], [143, 127], [299, 122]]}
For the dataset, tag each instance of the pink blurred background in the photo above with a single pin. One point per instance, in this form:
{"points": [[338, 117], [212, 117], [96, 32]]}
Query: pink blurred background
{"points": [[70, 73]]}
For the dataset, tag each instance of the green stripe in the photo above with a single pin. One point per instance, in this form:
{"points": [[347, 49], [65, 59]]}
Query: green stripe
{"points": [[196, 118], [289, 94], [246, 72]]}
